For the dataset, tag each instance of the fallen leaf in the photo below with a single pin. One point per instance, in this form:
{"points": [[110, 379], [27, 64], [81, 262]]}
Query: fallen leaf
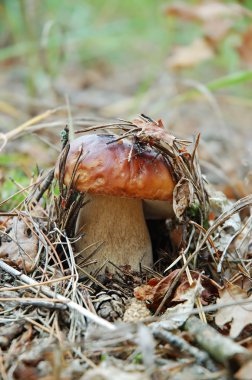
{"points": [[19, 245], [153, 130], [239, 316], [191, 55], [154, 292], [175, 316], [162, 287], [182, 197], [144, 292]]}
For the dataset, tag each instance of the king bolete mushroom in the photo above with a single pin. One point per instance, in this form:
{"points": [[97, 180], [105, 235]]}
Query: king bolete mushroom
{"points": [[115, 186]]}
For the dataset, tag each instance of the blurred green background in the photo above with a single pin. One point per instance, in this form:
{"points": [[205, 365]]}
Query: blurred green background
{"points": [[45, 36]]}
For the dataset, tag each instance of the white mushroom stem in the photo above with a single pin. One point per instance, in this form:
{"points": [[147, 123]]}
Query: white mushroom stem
{"points": [[120, 224]]}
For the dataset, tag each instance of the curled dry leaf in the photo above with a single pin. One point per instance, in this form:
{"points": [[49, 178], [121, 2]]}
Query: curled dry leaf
{"points": [[155, 290], [183, 195], [238, 315], [144, 292], [19, 244], [191, 55], [162, 287], [174, 317], [153, 130]]}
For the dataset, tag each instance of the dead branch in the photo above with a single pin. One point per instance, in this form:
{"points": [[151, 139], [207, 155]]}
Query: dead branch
{"points": [[201, 357], [36, 302], [221, 348]]}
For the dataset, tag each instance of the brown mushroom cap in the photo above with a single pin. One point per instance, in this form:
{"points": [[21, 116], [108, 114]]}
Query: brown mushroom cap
{"points": [[105, 169]]}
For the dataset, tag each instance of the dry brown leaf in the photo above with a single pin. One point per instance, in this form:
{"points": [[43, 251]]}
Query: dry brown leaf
{"points": [[144, 292], [162, 287], [156, 289], [175, 316], [245, 49], [182, 197], [153, 130], [19, 245], [207, 11], [178, 314], [239, 316], [187, 56]]}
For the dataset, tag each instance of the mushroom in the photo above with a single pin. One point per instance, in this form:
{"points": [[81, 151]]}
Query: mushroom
{"points": [[115, 186]]}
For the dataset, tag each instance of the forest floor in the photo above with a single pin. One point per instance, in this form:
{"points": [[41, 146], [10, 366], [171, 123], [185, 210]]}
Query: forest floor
{"points": [[188, 316]]}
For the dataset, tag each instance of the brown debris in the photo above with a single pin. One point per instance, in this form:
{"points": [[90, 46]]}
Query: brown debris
{"points": [[19, 244]]}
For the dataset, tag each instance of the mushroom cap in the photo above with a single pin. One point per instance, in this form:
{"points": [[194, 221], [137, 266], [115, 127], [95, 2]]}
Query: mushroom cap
{"points": [[104, 169]]}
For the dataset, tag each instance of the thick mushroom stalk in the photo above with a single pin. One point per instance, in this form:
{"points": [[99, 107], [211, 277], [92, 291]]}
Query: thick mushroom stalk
{"points": [[117, 177], [120, 225]]}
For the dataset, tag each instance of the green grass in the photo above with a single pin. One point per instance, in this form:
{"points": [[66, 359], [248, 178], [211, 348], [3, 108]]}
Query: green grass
{"points": [[14, 177]]}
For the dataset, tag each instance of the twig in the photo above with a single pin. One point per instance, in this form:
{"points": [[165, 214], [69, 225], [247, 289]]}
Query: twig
{"points": [[223, 349], [37, 302], [48, 292], [201, 357], [21, 287]]}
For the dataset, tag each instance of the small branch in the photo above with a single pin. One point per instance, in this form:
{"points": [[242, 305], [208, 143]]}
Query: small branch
{"points": [[37, 302], [49, 293], [221, 348], [202, 358]]}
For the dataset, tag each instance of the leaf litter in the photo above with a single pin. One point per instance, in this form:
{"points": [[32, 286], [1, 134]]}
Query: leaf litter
{"points": [[56, 309]]}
